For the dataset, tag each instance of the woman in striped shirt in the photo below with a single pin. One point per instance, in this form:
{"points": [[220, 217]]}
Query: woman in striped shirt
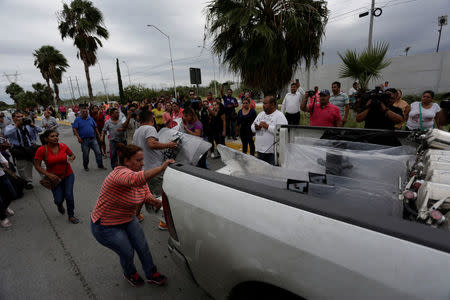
{"points": [[113, 221]]}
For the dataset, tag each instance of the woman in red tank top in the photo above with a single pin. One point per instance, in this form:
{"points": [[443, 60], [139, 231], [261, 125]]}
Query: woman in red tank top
{"points": [[56, 157]]}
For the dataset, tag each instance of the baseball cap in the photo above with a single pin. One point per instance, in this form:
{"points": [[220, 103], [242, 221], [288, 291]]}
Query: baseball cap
{"points": [[324, 92]]}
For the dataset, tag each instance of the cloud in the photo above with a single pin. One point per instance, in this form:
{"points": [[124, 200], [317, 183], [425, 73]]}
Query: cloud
{"points": [[27, 25]]}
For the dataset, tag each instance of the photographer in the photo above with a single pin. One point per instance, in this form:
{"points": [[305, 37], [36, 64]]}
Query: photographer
{"points": [[379, 113], [322, 112], [22, 136]]}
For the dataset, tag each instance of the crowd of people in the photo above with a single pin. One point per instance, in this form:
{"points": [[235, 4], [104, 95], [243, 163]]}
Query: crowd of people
{"points": [[136, 153]]}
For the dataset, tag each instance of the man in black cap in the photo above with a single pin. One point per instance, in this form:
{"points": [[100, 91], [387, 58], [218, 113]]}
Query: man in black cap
{"points": [[322, 112]]}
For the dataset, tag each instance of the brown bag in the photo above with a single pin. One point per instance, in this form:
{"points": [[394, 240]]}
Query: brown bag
{"points": [[46, 181]]}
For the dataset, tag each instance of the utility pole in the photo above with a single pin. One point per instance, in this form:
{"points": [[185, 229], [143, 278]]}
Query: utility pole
{"points": [[79, 93], [15, 75], [374, 12], [442, 20], [71, 88], [128, 70], [104, 85], [372, 8]]}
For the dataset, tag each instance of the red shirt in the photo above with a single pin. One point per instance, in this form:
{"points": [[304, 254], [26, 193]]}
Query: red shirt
{"points": [[57, 163], [327, 116], [122, 192], [99, 119]]}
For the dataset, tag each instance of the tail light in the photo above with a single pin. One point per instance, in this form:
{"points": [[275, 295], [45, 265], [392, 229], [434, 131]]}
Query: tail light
{"points": [[168, 217]]}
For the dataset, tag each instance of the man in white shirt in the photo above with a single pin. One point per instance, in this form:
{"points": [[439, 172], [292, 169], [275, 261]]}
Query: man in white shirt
{"points": [[291, 105], [264, 126]]}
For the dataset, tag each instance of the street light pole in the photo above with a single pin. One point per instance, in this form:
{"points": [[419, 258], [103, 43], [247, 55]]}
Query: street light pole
{"points": [[372, 8], [171, 60], [214, 68], [128, 70]]}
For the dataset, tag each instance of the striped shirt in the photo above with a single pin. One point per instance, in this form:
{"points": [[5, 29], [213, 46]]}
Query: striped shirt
{"points": [[122, 192]]}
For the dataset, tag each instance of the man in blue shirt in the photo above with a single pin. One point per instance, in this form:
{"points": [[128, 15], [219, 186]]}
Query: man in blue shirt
{"points": [[230, 104], [22, 137], [85, 129]]}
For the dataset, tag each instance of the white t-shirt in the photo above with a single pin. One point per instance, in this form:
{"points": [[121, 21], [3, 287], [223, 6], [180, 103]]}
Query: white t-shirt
{"points": [[152, 157], [351, 92], [427, 115], [265, 138], [291, 103]]}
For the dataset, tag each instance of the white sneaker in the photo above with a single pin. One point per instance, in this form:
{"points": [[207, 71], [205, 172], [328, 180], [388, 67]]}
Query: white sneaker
{"points": [[10, 212], [5, 223]]}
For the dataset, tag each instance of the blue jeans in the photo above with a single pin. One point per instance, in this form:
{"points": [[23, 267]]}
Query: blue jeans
{"points": [[86, 145], [124, 239], [267, 157], [64, 190], [7, 194], [114, 154]]}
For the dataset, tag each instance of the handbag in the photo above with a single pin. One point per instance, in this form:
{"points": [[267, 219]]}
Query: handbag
{"points": [[46, 181]]}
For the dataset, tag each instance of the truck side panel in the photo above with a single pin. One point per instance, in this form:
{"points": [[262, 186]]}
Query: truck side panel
{"points": [[230, 236]]}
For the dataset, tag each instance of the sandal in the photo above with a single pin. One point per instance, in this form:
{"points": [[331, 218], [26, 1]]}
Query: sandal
{"points": [[74, 220]]}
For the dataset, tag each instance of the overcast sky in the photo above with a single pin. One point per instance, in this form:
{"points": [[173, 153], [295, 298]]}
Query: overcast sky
{"points": [[26, 25]]}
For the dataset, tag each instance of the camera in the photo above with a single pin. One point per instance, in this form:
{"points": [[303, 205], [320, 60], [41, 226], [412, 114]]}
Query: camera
{"points": [[311, 93], [377, 96]]}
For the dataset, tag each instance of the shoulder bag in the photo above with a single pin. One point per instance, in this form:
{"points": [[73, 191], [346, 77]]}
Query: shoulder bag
{"points": [[46, 181]]}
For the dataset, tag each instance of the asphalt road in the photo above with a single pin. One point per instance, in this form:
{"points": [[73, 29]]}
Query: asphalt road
{"points": [[43, 256]]}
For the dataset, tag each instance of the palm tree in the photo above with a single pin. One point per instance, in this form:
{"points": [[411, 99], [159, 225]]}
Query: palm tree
{"points": [[266, 40], [52, 64], [83, 22], [365, 66]]}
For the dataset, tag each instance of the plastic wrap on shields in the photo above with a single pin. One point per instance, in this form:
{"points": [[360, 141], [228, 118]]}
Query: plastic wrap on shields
{"points": [[368, 195], [369, 165], [355, 146], [191, 147]]}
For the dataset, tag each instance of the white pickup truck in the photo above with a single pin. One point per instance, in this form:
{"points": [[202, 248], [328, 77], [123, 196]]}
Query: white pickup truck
{"points": [[242, 238]]}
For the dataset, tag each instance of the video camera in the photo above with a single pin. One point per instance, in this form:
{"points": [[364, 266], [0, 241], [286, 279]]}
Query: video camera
{"points": [[377, 96], [311, 93], [27, 121]]}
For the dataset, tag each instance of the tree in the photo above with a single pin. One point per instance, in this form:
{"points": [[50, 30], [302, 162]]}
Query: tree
{"points": [[83, 22], [365, 66], [265, 41], [119, 79], [14, 90], [41, 92], [52, 64], [26, 99]]}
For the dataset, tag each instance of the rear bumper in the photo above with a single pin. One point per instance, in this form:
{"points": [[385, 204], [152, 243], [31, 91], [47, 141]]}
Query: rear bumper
{"points": [[179, 259]]}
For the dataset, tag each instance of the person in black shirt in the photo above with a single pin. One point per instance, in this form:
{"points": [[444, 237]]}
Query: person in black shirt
{"points": [[217, 124], [245, 119], [382, 116]]}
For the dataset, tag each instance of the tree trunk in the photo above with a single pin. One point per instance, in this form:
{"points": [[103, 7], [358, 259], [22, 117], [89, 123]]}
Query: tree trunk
{"points": [[50, 93], [56, 89], [88, 79]]}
